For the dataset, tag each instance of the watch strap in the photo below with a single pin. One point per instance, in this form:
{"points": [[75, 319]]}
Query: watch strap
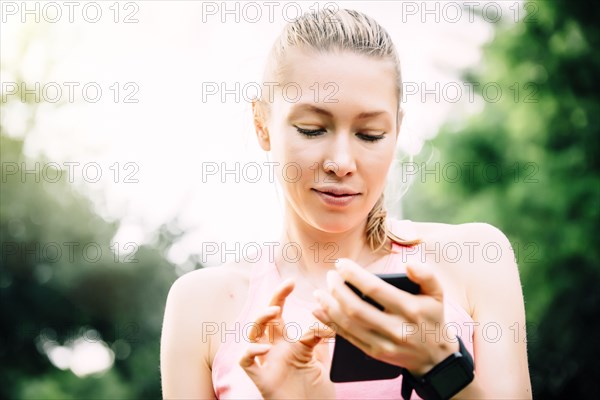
{"points": [[407, 385], [423, 385]]}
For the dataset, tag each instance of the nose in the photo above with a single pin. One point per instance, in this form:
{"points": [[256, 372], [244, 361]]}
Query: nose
{"points": [[339, 156]]}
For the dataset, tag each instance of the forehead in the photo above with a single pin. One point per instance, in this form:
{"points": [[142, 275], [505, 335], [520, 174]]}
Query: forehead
{"points": [[338, 77]]}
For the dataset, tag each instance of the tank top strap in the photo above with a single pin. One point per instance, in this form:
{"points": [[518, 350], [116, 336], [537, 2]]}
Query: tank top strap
{"points": [[228, 350], [260, 269], [404, 229], [263, 278]]}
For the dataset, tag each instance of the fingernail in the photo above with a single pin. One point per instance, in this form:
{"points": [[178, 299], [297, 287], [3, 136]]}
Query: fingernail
{"points": [[340, 264], [317, 295], [329, 275], [288, 281]]}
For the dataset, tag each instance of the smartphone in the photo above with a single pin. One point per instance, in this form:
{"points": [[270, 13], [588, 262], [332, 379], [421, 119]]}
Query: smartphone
{"points": [[349, 363]]}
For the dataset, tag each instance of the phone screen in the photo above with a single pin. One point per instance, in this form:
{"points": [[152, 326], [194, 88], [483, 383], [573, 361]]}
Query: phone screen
{"points": [[350, 363]]}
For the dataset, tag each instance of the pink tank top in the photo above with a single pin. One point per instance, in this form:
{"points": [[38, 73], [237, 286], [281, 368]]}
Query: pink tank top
{"points": [[231, 382]]}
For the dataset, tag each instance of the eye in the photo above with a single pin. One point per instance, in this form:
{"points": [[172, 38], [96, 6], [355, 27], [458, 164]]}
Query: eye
{"points": [[310, 132], [370, 138]]}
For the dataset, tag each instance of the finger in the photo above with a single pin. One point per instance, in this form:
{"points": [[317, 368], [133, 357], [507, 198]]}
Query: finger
{"points": [[358, 310], [248, 359], [424, 275], [316, 335], [304, 348], [372, 344], [390, 297], [276, 325], [322, 316], [365, 346], [397, 331], [260, 323], [281, 293], [322, 353], [365, 337]]}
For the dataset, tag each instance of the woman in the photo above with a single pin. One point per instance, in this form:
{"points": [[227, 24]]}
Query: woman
{"points": [[265, 328]]}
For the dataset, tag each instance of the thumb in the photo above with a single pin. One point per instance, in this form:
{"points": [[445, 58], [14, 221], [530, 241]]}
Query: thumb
{"points": [[423, 275], [315, 335], [311, 339], [248, 361]]}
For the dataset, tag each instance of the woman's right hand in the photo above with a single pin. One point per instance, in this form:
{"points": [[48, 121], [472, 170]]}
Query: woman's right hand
{"points": [[281, 368]]}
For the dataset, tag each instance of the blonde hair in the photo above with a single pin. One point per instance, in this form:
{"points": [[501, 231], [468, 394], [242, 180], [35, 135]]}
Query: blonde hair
{"points": [[340, 30]]}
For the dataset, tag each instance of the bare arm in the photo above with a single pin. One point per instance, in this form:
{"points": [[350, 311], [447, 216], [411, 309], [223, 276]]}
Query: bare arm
{"points": [[184, 365], [501, 366]]}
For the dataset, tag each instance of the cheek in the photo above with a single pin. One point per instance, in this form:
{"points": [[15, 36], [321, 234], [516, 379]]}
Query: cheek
{"points": [[375, 166], [295, 158], [289, 146], [302, 158], [376, 170]]}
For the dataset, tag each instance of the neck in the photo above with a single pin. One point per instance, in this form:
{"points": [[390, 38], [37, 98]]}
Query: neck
{"points": [[312, 252]]}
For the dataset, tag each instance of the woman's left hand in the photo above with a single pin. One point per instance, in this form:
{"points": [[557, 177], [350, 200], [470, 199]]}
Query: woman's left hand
{"points": [[409, 332]]}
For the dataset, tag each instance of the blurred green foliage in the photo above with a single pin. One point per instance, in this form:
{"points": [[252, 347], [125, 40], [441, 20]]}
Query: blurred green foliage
{"points": [[528, 164], [57, 293], [51, 288]]}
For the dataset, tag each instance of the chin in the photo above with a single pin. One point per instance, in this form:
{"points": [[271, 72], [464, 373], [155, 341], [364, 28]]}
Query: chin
{"points": [[335, 223]]}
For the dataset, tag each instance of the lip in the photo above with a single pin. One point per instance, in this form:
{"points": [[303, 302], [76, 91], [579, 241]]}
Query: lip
{"points": [[338, 190], [342, 200]]}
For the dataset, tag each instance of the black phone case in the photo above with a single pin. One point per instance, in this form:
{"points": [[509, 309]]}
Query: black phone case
{"points": [[349, 363]]}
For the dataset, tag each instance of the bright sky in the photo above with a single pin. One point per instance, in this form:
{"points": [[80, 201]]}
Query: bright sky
{"points": [[166, 139]]}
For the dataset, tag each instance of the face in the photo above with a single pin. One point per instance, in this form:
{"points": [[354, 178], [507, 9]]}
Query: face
{"points": [[333, 127]]}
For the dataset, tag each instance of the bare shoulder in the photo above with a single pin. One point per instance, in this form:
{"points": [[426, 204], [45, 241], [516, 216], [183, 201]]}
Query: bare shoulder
{"points": [[472, 257], [470, 244], [471, 230], [212, 282], [209, 295], [198, 291], [212, 295]]}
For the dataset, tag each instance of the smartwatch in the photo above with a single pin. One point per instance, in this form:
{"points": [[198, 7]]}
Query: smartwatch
{"points": [[444, 380]]}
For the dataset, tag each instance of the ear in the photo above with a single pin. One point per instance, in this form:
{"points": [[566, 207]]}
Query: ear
{"points": [[399, 121], [260, 126]]}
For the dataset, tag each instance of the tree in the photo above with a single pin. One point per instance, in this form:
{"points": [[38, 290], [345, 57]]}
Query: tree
{"points": [[53, 291], [528, 164]]}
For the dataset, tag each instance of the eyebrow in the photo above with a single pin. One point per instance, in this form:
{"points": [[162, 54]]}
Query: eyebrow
{"points": [[317, 110]]}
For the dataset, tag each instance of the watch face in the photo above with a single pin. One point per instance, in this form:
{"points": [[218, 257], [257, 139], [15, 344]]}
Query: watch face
{"points": [[451, 379]]}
